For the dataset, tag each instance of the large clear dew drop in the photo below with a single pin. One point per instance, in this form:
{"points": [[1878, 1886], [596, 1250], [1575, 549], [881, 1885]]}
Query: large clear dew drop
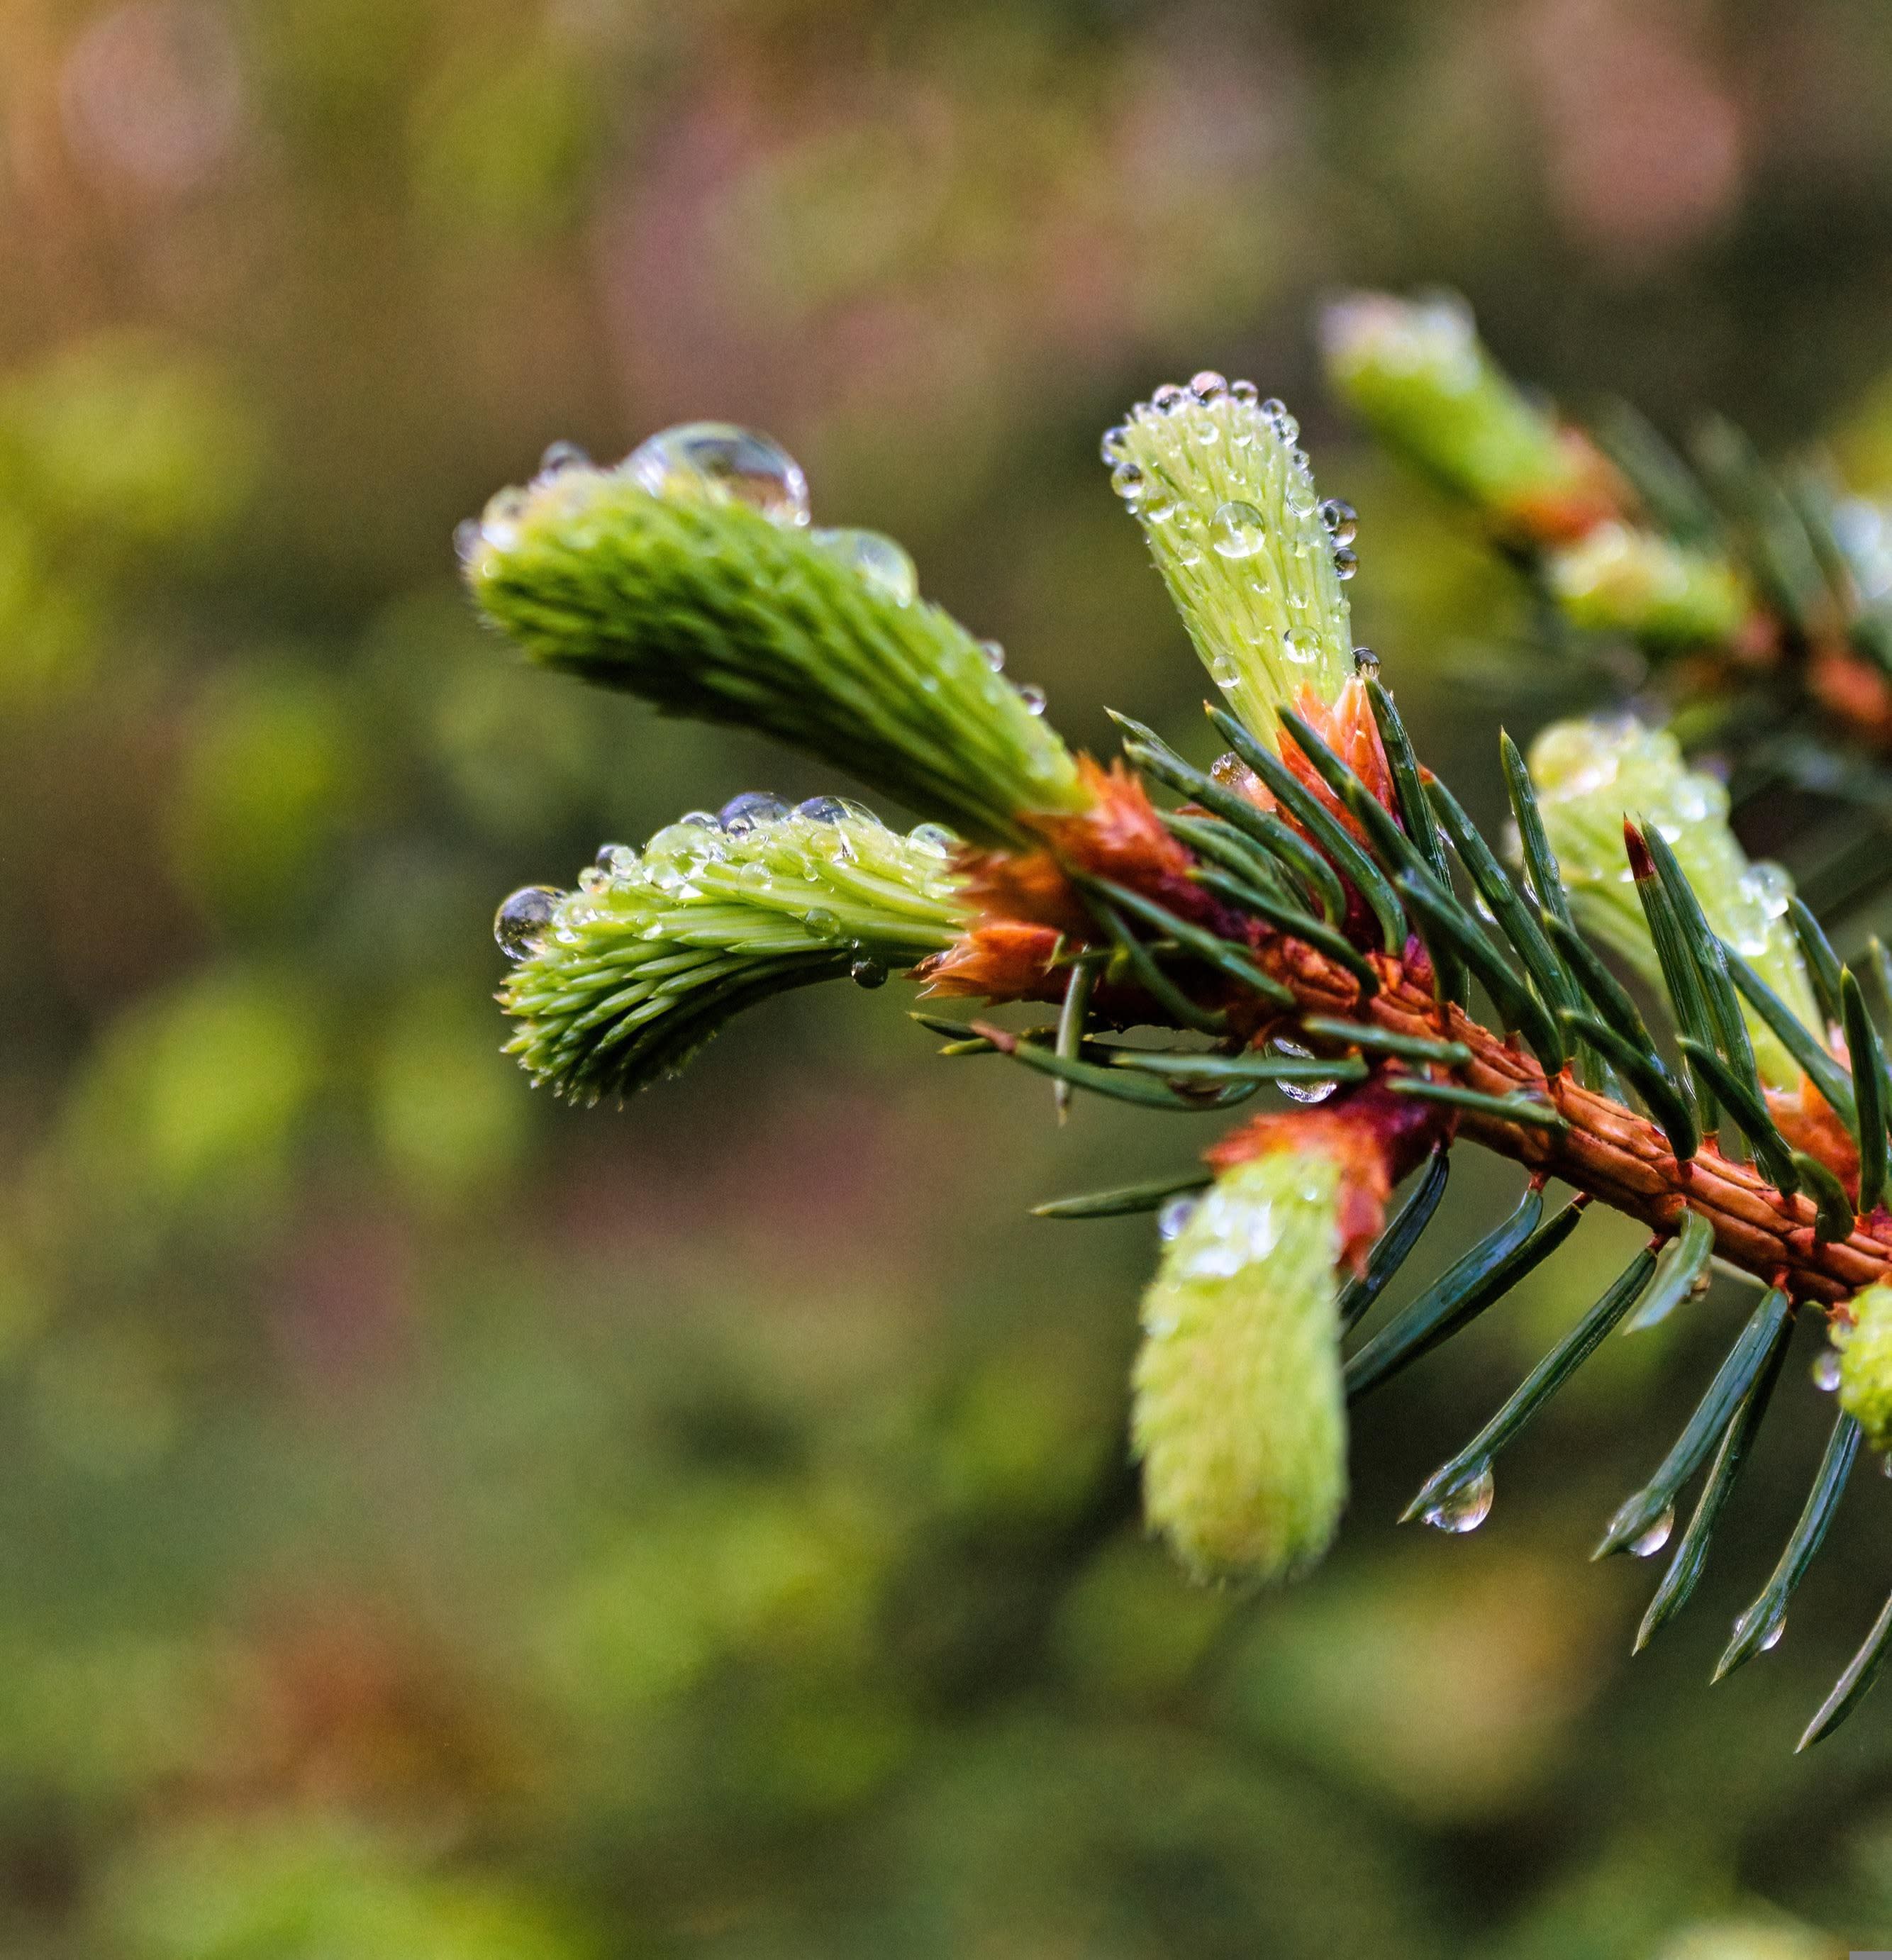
{"points": [[834, 809], [1465, 1508], [718, 456], [1653, 1540], [881, 565], [520, 923], [741, 814], [1240, 529]]}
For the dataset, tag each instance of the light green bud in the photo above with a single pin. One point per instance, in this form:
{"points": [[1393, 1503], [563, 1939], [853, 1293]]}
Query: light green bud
{"points": [[1415, 372], [1590, 776], [623, 979], [1865, 1366], [1239, 1416], [1623, 581], [1235, 525], [690, 576]]}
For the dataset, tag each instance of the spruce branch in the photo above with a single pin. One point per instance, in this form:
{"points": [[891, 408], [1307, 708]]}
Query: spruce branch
{"points": [[1297, 924], [1756, 578]]}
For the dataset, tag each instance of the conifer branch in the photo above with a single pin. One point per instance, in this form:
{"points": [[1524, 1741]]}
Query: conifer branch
{"points": [[1298, 922]]}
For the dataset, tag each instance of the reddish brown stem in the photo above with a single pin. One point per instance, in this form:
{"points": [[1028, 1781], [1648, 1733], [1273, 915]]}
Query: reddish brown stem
{"points": [[1625, 1160]]}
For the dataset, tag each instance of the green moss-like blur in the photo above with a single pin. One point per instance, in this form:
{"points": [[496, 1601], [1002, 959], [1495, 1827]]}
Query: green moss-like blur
{"points": [[436, 1523]]}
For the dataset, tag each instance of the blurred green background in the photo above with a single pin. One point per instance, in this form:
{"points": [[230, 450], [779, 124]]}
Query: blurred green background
{"points": [[435, 1523]]}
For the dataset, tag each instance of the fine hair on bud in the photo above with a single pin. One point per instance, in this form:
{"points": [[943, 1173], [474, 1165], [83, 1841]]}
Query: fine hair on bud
{"points": [[1239, 1417], [690, 576], [1865, 1366], [1622, 579], [622, 979], [1591, 775], [1416, 373], [1253, 559]]}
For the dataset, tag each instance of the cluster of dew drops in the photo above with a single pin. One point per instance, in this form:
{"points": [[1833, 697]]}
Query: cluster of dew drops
{"points": [[520, 924], [734, 462], [1240, 529], [740, 463], [1465, 1505]]}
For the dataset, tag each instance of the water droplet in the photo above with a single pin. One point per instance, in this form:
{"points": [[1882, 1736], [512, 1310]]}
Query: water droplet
{"points": [[720, 457], [933, 837], [1033, 697], [1341, 520], [701, 819], [1207, 385], [1826, 1370], [822, 809], [1274, 411], [559, 457], [1115, 445], [520, 923], [1175, 1214], [994, 654], [1769, 886], [1345, 563], [1465, 1508], [1653, 1540], [499, 522], [1232, 773], [881, 565], [1223, 671], [1747, 1624], [607, 857], [822, 923], [1246, 393], [1300, 646], [1365, 662], [1127, 480], [1168, 397], [741, 814], [1240, 529], [1301, 1092], [867, 971]]}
